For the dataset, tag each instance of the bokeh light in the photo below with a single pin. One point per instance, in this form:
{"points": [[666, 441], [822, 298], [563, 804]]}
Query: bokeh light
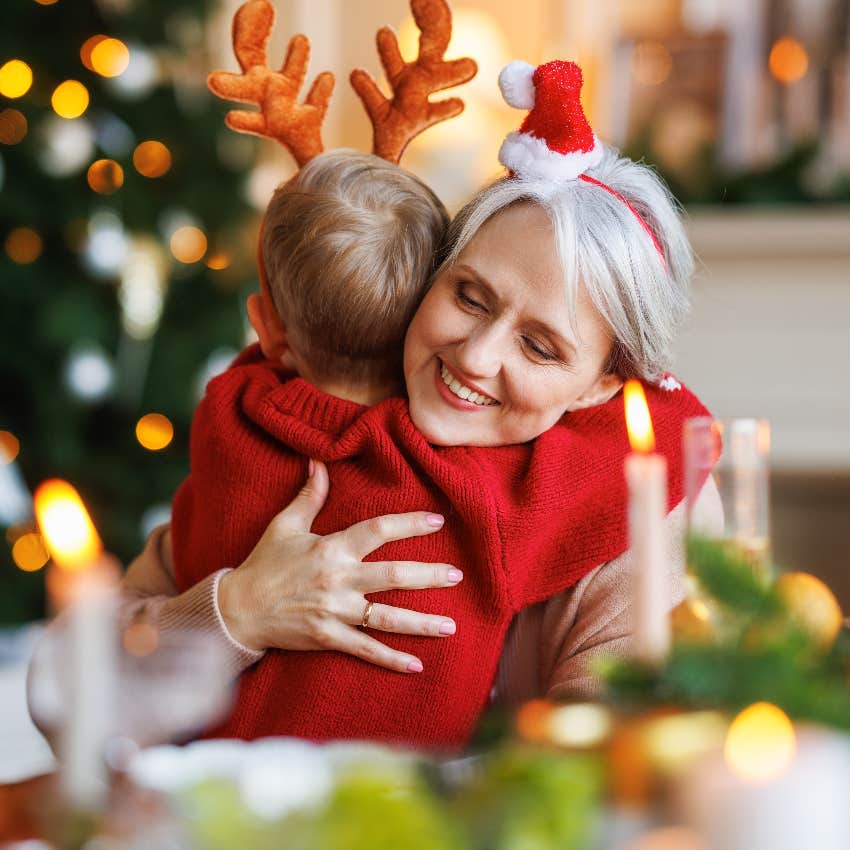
{"points": [[66, 525], [15, 78], [788, 60], [651, 63], [188, 244], [219, 260], [760, 744], [154, 431], [46, 2], [89, 373], [532, 720], [70, 99], [29, 552], [13, 126], [10, 446], [141, 76], [106, 244], [152, 159], [23, 245], [105, 176], [66, 146], [140, 639], [110, 57], [88, 46]]}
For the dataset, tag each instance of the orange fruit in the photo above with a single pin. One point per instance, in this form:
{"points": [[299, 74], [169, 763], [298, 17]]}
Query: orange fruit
{"points": [[812, 605]]}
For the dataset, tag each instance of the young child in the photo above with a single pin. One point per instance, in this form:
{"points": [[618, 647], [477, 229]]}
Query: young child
{"points": [[348, 246]]}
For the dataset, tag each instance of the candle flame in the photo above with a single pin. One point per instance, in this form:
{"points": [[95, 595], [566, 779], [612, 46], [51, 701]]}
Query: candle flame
{"points": [[66, 526], [760, 744], [638, 421]]}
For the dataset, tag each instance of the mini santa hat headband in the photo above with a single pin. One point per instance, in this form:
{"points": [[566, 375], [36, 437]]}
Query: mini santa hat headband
{"points": [[555, 141]]}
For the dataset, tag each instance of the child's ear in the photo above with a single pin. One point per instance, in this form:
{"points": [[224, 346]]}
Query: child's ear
{"points": [[270, 329], [603, 389]]}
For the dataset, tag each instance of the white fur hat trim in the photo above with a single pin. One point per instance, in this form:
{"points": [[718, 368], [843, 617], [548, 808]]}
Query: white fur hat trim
{"points": [[528, 156], [516, 85]]}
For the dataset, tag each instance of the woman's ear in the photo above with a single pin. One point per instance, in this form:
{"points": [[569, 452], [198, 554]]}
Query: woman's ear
{"points": [[270, 329], [603, 389]]}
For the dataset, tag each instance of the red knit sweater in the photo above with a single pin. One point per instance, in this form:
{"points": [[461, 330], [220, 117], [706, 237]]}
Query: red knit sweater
{"points": [[523, 523]]}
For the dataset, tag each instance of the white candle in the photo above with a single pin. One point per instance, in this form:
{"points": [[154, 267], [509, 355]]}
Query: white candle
{"points": [[83, 581], [646, 475]]}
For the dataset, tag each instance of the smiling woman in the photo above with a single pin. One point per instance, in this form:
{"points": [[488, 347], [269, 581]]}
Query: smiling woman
{"points": [[495, 355]]}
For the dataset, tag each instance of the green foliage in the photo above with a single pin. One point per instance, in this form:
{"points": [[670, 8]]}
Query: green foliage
{"points": [[516, 798], [56, 304], [759, 653]]}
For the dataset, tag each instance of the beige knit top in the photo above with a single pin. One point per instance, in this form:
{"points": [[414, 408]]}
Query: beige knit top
{"points": [[549, 647]]}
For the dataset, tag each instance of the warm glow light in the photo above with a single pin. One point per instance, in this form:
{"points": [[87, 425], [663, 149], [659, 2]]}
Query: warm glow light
{"points": [[188, 244], [70, 99], [66, 526], [532, 720], [105, 176], [23, 245], [638, 422], [140, 639], [15, 78], [760, 744], [13, 126], [580, 725], [788, 60], [218, 261], [88, 46], [29, 553], [152, 159], [110, 57], [651, 63], [46, 2], [10, 446], [154, 431]]}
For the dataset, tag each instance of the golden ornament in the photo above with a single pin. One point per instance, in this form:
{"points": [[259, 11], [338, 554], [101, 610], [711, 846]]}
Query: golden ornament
{"points": [[812, 605]]}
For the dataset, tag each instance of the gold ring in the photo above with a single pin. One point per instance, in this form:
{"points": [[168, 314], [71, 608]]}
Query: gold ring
{"points": [[365, 622]]}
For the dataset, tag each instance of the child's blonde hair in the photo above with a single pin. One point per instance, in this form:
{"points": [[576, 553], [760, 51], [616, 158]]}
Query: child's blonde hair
{"points": [[349, 245]]}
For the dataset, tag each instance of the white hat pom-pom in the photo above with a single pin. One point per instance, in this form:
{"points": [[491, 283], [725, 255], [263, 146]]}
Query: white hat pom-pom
{"points": [[516, 85]]}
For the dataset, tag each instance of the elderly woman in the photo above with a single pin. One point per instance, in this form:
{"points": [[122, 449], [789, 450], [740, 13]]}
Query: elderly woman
{"points": [[553, 293]]}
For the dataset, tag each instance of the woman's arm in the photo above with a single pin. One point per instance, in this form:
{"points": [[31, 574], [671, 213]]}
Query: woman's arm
{"points": [[562, 638]]}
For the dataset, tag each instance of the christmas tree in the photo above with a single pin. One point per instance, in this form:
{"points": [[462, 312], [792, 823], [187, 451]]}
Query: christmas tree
{"points": [[127, 250]]}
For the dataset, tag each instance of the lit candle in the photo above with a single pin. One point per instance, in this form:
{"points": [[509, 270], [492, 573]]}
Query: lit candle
{"points": [[646, 475], [84, 583]]}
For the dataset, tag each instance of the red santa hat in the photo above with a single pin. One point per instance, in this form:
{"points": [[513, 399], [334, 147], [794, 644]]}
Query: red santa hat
{"points": [[555, 141]]}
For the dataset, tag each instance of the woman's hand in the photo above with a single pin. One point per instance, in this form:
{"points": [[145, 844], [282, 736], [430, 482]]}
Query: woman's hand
{"points": [[298, 590]]}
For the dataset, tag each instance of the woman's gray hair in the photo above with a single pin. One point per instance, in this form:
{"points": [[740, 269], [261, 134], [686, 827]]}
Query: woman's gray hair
{"points": [[641, 296]]}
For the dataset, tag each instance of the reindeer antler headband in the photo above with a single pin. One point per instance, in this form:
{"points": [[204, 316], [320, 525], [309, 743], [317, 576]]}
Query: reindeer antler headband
{"points": [[298, 126]]}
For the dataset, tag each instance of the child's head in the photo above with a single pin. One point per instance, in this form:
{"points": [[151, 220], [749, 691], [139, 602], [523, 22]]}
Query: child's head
{"points": [[348, 246], [552, 293]]}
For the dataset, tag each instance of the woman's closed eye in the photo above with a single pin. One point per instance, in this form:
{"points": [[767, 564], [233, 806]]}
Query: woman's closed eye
{"points": [[538, 351], [469, 303]]}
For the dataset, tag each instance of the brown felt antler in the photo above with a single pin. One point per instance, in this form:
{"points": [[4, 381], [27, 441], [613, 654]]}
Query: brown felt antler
{"points": [[397, 120], [297, 126]]}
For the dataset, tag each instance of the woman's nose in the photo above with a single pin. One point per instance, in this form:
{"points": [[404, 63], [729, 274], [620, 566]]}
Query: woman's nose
{"points": [[480, 354]]}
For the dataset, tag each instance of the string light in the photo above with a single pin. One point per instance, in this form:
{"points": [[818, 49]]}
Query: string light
{"points": [[13, 126], [152, 159], [10, 446], [15, 78], [88, 46], [70, 99], [110, 57], [154, 431], [218, 261], [788, 60], [105, 176], [188, 244], [29, 552], [23, 245]]}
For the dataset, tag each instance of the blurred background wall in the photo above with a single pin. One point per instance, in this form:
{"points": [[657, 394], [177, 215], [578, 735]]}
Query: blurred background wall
{"points": [[124, 268]]}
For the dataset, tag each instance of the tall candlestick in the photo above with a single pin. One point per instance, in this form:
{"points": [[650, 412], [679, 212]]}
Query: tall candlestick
{"points": [[87, 586], [646, 475]]}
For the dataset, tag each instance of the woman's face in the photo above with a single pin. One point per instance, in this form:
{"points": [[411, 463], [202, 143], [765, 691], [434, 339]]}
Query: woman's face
{"points": [[491, 357]]}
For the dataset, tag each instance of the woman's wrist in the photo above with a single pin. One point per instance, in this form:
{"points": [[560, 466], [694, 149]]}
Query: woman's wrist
{"points": [[235, 613]]}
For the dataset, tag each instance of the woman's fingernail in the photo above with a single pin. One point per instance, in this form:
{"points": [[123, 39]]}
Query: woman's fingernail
{"points": [[415, 667], [434, 519], [311, 468], [448, 628], [454, 575]]}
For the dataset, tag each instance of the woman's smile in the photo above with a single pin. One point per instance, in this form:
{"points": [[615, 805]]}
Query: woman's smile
{"points": [[494, 337]]}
